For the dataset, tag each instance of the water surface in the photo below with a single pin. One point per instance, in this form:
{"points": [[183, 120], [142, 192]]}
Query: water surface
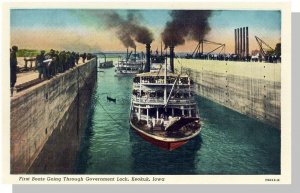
{"points": [[229, 143]]}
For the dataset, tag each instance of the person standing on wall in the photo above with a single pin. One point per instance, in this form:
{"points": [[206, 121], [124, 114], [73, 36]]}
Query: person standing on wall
{"points": [[77, 57], [40, 66], [13, 68], [83, 57]]}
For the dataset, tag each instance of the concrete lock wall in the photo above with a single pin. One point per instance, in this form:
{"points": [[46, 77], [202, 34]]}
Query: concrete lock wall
{"points": [[43, 109], [250, 88]]}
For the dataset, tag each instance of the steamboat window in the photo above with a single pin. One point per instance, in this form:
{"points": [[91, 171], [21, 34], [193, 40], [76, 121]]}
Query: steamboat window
{"points": [[186, 112], [136, 80], [193, 113]]}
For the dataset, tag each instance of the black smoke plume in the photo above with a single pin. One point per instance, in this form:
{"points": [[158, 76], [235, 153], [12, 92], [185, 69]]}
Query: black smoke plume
{"points": [[128, 29], [191, 24]]}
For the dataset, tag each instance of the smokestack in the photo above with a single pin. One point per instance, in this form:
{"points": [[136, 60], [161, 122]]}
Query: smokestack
{"points": [[241, 41], [135, 54], [147, 66], [172, 58], [247, 42], [127, 54], [235, 42], [238, 42], [244, 42]]}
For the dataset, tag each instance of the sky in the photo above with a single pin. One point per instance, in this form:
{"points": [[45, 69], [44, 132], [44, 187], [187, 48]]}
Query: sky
{"points": [[86, 30]]}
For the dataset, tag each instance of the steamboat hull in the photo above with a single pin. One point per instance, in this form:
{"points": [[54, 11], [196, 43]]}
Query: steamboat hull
{"points": [[163, 143]]}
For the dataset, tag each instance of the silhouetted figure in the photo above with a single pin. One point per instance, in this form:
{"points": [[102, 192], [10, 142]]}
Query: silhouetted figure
{"points": [[40, 66], [56, 62], [77, 57], [13, 68], [73, 59], [61, 61], [89, 56], [83, 57], [67, 61]]}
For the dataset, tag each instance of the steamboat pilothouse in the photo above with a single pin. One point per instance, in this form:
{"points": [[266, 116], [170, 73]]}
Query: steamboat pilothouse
{"points": [[163, 110]]}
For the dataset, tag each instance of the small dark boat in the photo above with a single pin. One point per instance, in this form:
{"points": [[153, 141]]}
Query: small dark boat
{"points": [[106, 64], [111, 99]]}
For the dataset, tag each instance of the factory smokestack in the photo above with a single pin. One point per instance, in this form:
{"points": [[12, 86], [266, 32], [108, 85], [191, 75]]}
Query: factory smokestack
{"points": [[241, 42], [238, 42], [247, 42], [147, 66], [235, 42], [244, 42], [172, 58]]}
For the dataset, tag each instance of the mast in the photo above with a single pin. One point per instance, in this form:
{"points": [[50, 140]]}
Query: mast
{"points": [[135, 54], [165, 81], [139, 118]]}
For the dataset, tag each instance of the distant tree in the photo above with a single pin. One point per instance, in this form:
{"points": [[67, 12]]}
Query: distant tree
{"points": [[27, 53], [278, 49]]}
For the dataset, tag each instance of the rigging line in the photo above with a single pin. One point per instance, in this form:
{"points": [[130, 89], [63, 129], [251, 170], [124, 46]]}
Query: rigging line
{"points": [[178, 59], [111, 117], [160, 67], [82, 77], [179, 64]]}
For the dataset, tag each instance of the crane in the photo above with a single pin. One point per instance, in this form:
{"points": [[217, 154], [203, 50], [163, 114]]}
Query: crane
{"points": [[199, 48], [264, 52]]}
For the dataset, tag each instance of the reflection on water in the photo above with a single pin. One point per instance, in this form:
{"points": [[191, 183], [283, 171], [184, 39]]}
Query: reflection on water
{"points": [[229, 143]]}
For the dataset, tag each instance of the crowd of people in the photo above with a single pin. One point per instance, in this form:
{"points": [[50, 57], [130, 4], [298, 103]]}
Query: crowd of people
{"points": [[48, 64], [234, 57]]}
